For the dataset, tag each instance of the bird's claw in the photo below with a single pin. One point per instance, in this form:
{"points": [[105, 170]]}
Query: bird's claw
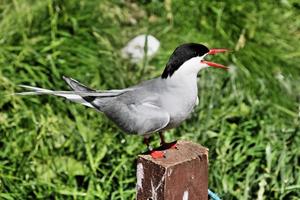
{"points": [[176, 147]]}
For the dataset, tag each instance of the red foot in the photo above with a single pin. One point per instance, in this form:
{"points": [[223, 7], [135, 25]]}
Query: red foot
{"points": [[157, 154], [171, 145]]}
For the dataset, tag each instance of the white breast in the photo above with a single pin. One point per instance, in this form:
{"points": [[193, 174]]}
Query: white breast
{"points": [[181, 94], [180, 100]]}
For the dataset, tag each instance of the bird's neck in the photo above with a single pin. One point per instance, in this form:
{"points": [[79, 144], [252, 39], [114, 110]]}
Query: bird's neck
{"points": [[184, 81], [186, 75]]}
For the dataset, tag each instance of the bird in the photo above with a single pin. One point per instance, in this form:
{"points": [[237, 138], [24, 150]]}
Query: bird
{"points": [[152, 106]]}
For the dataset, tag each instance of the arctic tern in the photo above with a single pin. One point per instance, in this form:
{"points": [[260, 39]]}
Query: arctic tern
{"points": [[152, 106]]}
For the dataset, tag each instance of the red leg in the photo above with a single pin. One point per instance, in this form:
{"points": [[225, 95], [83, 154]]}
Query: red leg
{"points": [[154, 154], [165, 145], [146, 141]]}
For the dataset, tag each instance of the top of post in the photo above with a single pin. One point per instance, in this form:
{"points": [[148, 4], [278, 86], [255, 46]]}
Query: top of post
{"points": [[186, 151]]}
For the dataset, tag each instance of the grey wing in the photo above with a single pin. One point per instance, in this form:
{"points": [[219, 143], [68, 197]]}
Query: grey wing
{"points": [[142, 118]]}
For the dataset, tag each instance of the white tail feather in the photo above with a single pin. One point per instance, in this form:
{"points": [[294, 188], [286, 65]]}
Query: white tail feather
{"points": [[70, 95], [39, 91]]}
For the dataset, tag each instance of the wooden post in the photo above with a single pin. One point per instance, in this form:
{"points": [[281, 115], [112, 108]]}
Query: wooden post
{"points": [[183, 174]]}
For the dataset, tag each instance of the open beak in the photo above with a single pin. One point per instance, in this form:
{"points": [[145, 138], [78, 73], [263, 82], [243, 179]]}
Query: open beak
{"points": [[212, 64]]}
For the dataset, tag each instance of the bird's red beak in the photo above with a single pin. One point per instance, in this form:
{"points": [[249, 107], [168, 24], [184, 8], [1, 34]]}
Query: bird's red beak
{"points": [[212, 64], [215, 51]]}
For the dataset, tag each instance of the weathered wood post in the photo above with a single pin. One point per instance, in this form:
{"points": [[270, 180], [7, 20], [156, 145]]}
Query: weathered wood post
{"points": [[182, 175]]}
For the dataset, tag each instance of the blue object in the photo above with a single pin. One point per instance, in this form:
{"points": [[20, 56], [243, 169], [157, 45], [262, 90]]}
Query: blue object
{"points": [[213, 196]]}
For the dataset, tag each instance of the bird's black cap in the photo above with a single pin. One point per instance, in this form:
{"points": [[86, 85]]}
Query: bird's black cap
{"points": [[181, 54]]}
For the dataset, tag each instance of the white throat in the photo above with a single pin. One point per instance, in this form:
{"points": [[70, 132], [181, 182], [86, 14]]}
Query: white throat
{"points": [[189, 69]]}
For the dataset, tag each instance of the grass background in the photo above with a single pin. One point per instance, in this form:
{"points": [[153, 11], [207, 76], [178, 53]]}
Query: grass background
{"points": [[248, 118]]}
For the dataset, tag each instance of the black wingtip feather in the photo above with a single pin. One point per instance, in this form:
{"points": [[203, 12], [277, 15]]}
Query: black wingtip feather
{"points": [[76, 86]]}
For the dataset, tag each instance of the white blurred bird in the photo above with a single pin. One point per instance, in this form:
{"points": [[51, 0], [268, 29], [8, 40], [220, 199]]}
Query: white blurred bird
{"points": [[135, 48], [152, 106]]}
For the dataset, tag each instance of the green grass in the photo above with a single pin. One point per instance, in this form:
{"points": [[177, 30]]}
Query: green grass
{"points": [[248, 118]]}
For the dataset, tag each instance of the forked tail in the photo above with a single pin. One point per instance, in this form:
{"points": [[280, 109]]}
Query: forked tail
{"points": [[80, 94]]}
